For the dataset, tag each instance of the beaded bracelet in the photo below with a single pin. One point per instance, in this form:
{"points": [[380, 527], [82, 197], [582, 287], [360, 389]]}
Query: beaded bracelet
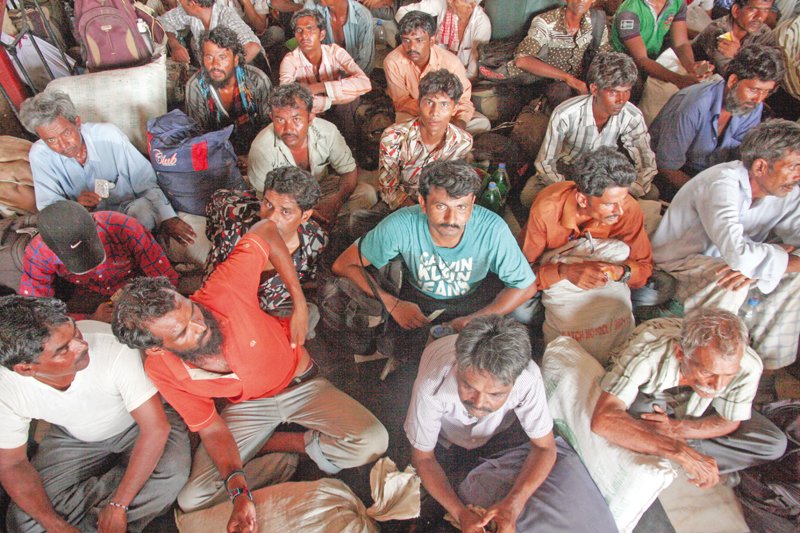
{"points": [[118, 505], [233, 494]]}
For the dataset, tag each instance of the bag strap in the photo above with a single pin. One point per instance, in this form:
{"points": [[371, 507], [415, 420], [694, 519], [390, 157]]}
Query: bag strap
{"points": [[370, 281], [598, 17]]}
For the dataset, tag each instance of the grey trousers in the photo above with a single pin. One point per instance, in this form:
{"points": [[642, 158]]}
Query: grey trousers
{"points": [[342, 433], [80, 477], [568, 500], [755, 441]]}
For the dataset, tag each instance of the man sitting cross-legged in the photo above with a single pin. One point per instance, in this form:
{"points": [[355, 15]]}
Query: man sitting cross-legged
{"points": [[112, 459], [480, 395], [683, 389], [408, 146], [219, 344], [604, 117], [729, 237], [326, 70], [416, 56], [704, 124], [460, 260], [227, 91], [596, 205], [298, 138]]}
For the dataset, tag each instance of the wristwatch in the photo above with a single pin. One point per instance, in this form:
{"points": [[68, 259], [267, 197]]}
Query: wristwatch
{"points": [[626, 274]]}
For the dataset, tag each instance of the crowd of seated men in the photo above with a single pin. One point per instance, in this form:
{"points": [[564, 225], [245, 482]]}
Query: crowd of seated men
{"points": [[100, 343]]}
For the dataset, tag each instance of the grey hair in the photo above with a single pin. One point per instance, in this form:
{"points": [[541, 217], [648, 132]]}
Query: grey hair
{"points": [[44, 108], [313, 13], [457, 178], [713, 327], [596, 171], [495, 344], [286, 95], [771, 141], [612, 69], [204, 3]]}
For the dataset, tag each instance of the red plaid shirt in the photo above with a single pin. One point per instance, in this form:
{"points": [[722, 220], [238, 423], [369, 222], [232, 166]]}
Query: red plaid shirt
{"points": [[130, 251]]}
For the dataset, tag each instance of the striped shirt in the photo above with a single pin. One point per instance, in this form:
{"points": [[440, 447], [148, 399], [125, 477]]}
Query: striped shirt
{"points": [[573, 131], [648, 364], [343, 78], [436, 412], [130, 251], [403, 155], [177, 20], [788, 36]]}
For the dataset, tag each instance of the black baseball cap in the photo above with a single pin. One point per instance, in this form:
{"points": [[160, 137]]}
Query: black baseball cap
{"points": [[69, 230]]}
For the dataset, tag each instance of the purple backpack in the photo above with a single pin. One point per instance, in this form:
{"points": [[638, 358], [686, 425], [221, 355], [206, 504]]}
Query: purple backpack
{"points": [[108, 32]]}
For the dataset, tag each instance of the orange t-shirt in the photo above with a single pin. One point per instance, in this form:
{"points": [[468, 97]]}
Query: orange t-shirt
{"points": [[255, 345]]}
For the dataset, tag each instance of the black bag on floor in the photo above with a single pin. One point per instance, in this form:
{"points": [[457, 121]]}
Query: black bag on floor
{"points": [[770, 493], [15, 234]]}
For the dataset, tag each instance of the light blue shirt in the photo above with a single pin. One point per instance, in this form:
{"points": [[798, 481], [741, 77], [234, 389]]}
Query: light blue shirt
{"points": [[715, 215], [110, 156], [444, 273], [685, 132], [359, 33]]}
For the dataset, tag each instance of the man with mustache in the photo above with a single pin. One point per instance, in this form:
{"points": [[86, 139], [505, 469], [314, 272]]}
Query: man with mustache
{"points": [[729, 238], [227, 91], [704, 124], [597, 203], [113, 459], [416, 56], [406, 147], [220, 344], [460, 260], [298, 138], [683, 389], [94, 164], [721, 40], [326, 70], [604, 117], [479, 394]]}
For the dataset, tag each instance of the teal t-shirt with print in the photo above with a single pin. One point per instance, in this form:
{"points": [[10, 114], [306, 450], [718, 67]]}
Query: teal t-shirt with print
{"points": [[637, 18], [443, 273]]}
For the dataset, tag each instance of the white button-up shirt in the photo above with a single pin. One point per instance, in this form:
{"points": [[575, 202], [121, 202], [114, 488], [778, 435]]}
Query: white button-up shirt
{"points": [[715, 215]]}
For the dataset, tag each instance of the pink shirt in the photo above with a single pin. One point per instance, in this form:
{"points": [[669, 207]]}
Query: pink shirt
{"points": [[344, 80], [402, 77]]}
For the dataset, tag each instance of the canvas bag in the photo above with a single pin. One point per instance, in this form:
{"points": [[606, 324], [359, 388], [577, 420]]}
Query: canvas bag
{"points": [[191, 165], [599, 319], [109, 34]]}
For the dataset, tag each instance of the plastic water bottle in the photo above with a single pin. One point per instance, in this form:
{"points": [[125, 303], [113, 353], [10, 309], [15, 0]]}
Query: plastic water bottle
{"points": [[145, 32], [748, 310], [491, 198], [500, 177], [380, 31]]}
